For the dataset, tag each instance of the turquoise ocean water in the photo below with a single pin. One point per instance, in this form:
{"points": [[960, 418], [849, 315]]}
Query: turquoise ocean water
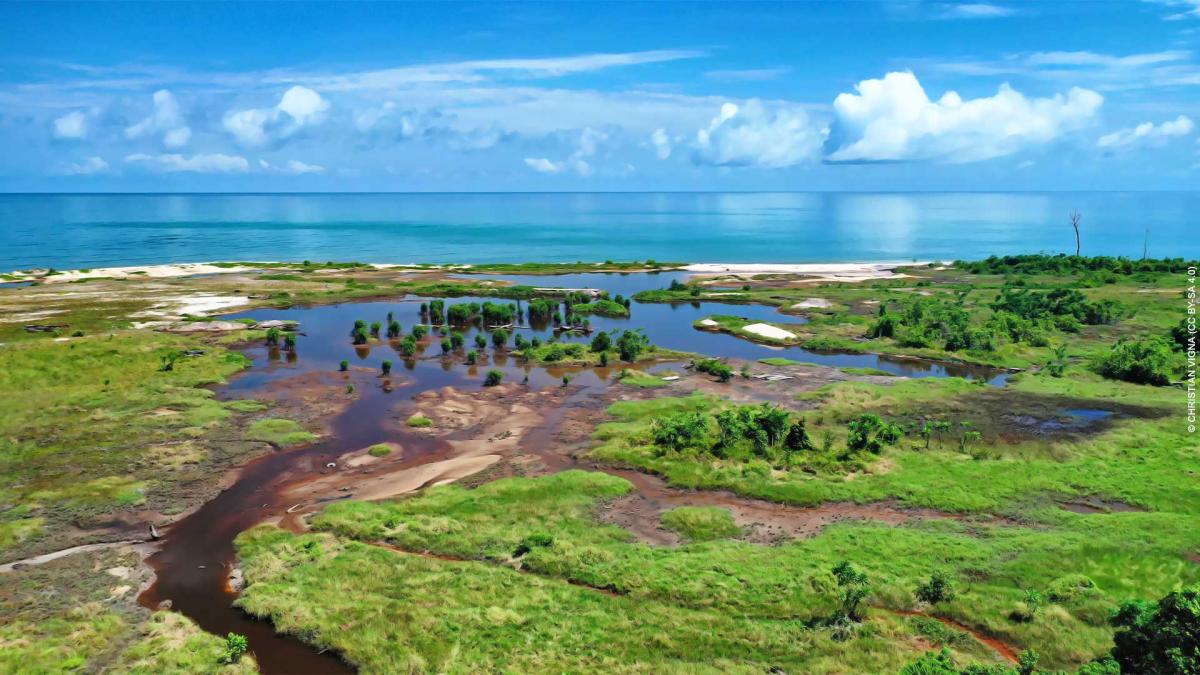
{"points": [[72, 231]]}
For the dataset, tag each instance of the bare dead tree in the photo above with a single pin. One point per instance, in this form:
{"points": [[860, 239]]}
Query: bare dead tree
{"points": [[1075, 218]]}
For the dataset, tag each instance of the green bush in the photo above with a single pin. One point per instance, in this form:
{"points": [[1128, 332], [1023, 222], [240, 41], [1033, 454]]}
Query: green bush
{"points": [[1162, 637], [493, 378], [1139, 361]]}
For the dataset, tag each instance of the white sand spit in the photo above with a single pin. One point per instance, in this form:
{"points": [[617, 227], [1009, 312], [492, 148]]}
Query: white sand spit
{"points": [[813, 303], [768, 331], [708, 322]]}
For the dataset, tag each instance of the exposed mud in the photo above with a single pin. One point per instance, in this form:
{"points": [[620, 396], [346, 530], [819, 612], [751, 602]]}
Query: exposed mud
{"points": [[1097, 505], [1001, 648]]}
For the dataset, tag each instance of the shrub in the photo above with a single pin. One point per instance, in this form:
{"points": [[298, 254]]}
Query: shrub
{"points": [[272, 336], [408, 347], [715, 368], [235, 646], [1162, 637], [419, 331], [344, 365], [493, 378], [386, 366], [872, 433], [471, 357], [936, 590], [393, 329], [631, 344], [499, 337], [601, 342], [480, 341], [680, 431], [457, 340], [1138, 361], [289, 342], [446, 346], [855, 587]]}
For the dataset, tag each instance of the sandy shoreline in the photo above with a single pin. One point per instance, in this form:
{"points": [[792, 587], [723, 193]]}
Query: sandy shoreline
{"points": [[844, 271]]}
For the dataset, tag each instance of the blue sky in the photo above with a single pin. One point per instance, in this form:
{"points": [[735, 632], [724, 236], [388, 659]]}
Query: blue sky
{"points": [[600, 96]]}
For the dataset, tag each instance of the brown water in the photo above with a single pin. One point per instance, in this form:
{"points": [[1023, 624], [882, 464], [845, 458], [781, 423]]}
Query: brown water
{"points": [[197, 554]]}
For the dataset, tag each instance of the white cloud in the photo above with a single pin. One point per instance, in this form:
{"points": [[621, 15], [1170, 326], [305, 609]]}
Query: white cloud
{"points": [[89, 166], [71, 125], [293, 166], [1184, 8], [661, 142], [543, 165], [204, 163], [1104, 72], [751, 135], [588, 142], [892, 119], [165, 119], [975, 10], [480, 70], [1147, 132], [299, 107]]}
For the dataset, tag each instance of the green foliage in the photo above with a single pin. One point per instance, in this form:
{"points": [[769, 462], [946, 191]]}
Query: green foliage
{"points": [[386, 367], [235, 646], [493, 378], [1162, 637], [937, 589], [854, 587], [343, 365], [418, 332], [871, 433], [714, 367], [272, 336], [499, 337], [472, 357], [601, 342], [680, 431], [1062, 265], [631, 344], [1146, 361]]}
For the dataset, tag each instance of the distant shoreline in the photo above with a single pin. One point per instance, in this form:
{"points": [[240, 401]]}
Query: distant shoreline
{"points": [[835, 270]]}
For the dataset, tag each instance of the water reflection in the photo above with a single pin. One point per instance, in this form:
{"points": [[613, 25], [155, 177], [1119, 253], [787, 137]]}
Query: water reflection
{"points": [[324, 341]]}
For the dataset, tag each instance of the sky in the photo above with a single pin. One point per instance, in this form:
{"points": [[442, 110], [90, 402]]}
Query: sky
{"points": [[888, 95]]}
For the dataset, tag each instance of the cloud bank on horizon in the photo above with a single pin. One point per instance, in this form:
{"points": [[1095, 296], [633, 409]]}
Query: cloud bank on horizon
{"points": [[918, 95]]}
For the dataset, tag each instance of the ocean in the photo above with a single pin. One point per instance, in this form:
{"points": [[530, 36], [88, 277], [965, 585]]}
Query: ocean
{"points": [[67, 231]]}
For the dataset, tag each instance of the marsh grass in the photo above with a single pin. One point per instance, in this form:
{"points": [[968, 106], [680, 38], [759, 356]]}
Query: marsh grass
{"points": [[701, 523]]}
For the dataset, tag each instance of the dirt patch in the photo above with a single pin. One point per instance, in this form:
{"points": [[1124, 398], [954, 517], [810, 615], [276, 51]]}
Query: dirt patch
{"points": [[762, 522], [1098, 505]]}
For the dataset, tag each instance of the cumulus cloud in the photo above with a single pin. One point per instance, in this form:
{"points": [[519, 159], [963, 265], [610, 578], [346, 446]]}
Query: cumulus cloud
{"points": [[661, 142], [543, 165], [293, 166], [1147, 132], [752, 136], [892, 119], [299, 107], [588, 141], [203, 163], [71, 125], [165, 119], [89, 166]]}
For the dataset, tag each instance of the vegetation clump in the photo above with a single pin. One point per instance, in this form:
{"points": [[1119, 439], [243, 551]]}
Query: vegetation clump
{"points": [[1146, 361]]}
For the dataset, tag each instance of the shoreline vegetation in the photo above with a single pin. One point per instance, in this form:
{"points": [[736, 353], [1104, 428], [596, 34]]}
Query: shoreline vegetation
{"points": [[854, 519]]}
